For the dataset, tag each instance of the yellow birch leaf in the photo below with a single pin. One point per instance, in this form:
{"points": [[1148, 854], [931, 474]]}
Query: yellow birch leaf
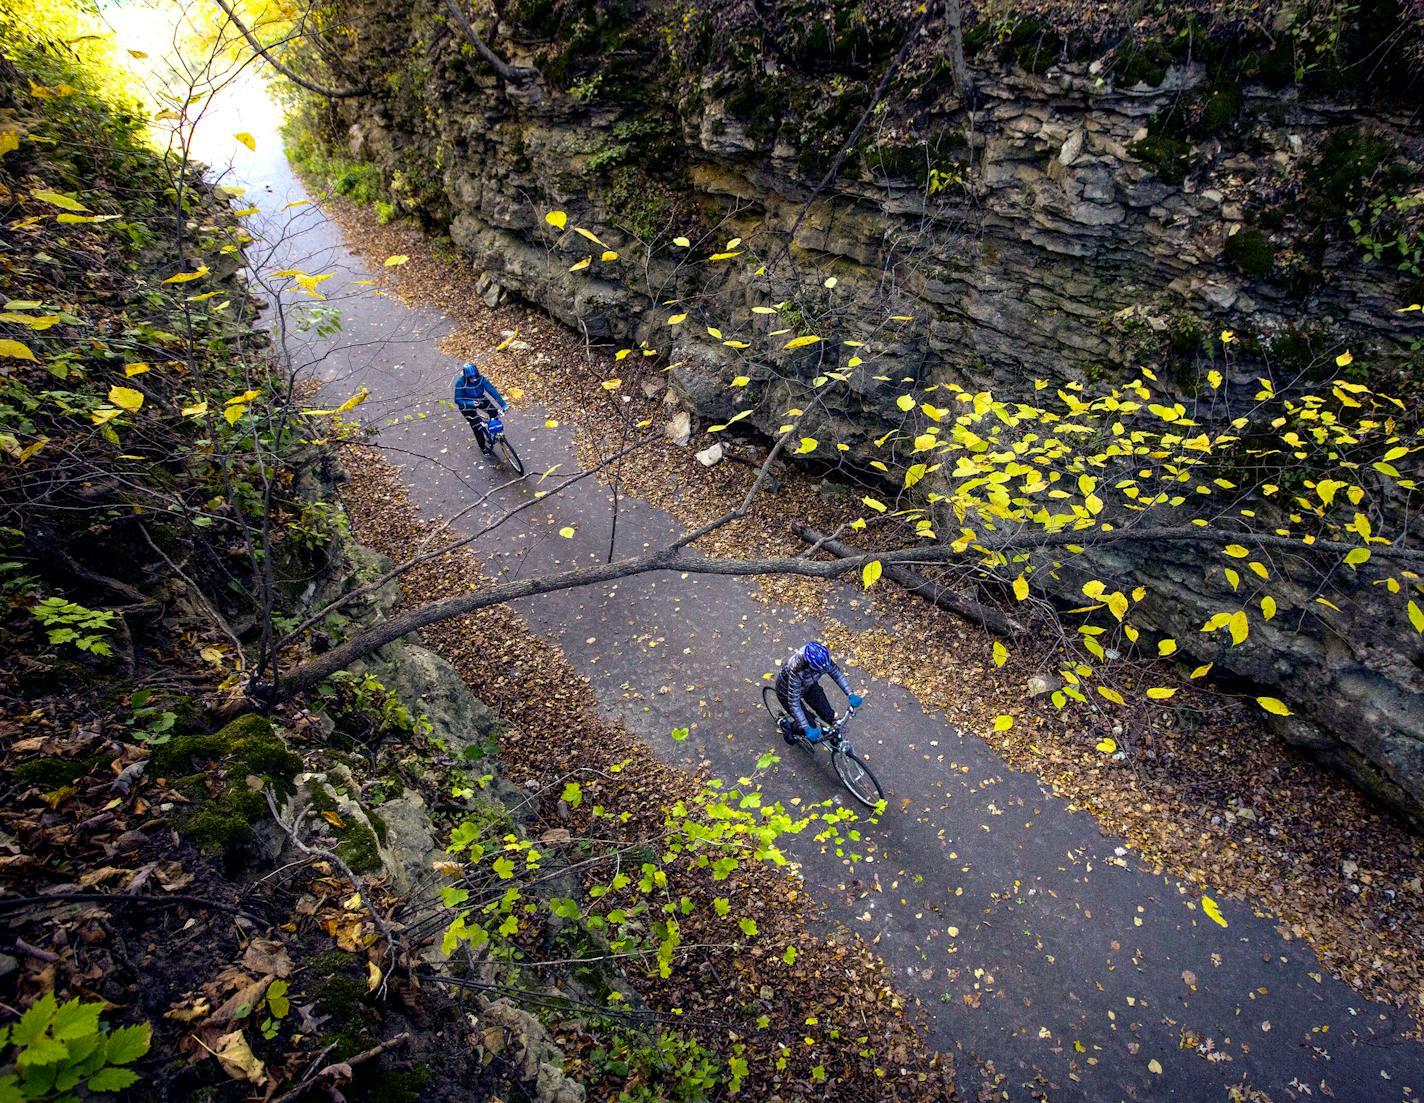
{"points": [[1416, 617], [15, 350], [1274, 706], [556, 219], [1344, 360], [246, 139], [130, 370], [870, 573], [185, 277], [682, 243], [1202, 671], [611, 384], [581, 264], [1213, 912], [1003, 722], [1166, 647], [55, 199], [394, 260], [808, 444], [741, 381], [126, 398], [567, 532], [1111, 694], [801, 342], [1160, 693], [232, 413], [1239, 626], [1268, 607], [1001, 654], [1021, 588], [198, 409], [1107, 745], [874, 504]]}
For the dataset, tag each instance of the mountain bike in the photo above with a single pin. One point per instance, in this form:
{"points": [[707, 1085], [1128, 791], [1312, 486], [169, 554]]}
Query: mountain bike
{"points": [[500, 446], [855, 775]]}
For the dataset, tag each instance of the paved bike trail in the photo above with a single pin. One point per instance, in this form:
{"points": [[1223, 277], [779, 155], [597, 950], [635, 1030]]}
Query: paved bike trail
{"points": [[1033, 942]]}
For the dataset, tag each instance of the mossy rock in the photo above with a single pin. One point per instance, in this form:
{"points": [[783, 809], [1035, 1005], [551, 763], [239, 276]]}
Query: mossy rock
{"points": [[1170, 158], [55, 773], [358, 845], [1251, 252], [213, 771]]}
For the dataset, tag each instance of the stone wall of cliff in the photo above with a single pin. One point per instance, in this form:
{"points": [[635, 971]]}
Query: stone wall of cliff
{"points": [[1095, 203]]}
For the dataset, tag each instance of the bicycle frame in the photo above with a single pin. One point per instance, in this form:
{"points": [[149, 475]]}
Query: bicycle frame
{"points": [[835, 736]]}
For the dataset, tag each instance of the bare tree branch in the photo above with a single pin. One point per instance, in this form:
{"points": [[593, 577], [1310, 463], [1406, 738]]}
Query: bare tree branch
{"points": [[518, 74], [302, 82]]}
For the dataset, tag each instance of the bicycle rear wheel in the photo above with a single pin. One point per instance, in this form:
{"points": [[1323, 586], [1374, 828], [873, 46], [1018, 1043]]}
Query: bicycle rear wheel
{"points": [[505, 451], [855, 775]]}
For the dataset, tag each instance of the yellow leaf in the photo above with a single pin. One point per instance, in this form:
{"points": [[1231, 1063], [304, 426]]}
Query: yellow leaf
{"points": [[131, 370], [1154, 1066], [395, 259], [1274, 706], [589, 235], [830, 282], [333, 819], [83, 219], [808, 444], [373, 976], [1356, 556], [1268, 607], [741, 381], [1107, 745], [682, 243], [676, 319], [245, 396], [878, 506], [185, 277], [581, 264], [611, 384], [1213, 378], [801, 342], [198, 409], [1227, 336], [15, 350], [1202, 671], [107, 413], [1416, 617], [724, 256], [1213, 912], [55, 199], [552, 423], [1021, 587], [870, 573], [232, 413], [1166, 647], [1236, 551], [763, 310], [1117, 604], [8, 140], [1344, 360], [556, 219], [567, 532], [608, 255], [246, 139], [126, 398], [1001, 654], [1160, 693], [1003, 722], [1111, 694]]}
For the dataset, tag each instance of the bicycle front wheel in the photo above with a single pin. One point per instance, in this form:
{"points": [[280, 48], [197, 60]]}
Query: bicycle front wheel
{"points": [[855, 775], [505, 451]]}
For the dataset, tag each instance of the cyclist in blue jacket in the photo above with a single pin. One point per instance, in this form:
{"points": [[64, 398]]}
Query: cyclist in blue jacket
{"points": [[798, 684], [476, 396]]}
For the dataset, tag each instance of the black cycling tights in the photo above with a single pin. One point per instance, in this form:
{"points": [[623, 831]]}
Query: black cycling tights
{"points": [[813, 702]]}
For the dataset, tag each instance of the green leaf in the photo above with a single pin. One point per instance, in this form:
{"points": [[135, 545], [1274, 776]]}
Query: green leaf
{"points": [[34, 1021], [679, 734], [74, 1020], [112, 1080], [721, 905], [277, 1002], [748, 926], [43, 1051], [572, 794], [790, 956], [504, 868]]}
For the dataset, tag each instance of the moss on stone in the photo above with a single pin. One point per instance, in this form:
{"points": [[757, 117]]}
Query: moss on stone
{"points": [[212, 771], [1170, 158], [1251, 253], [54, 773]]}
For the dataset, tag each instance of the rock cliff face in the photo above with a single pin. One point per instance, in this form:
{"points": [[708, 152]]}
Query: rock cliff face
{"points": [[1074, 217]]}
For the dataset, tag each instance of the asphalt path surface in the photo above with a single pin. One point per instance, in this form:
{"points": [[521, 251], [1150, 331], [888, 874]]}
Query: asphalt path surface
{"points": [[1033, 943]]}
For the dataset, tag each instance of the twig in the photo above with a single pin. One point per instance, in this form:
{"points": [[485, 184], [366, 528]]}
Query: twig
{"points": [[302, 82], [361, 1058], [14, 902], [216, 617]]}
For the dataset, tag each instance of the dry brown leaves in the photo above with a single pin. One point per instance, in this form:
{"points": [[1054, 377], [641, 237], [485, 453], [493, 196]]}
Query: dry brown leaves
{"points": [[1206, 794]]}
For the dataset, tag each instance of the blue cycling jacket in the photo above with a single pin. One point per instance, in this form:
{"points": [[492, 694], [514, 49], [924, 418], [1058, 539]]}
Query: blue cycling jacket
{"points": [[796, 677], [472, 392]]}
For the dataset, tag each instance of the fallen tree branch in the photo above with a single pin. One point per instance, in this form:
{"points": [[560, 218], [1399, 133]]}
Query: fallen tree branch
{"points": [[301, 82], [341, 1070], [918, 584]]}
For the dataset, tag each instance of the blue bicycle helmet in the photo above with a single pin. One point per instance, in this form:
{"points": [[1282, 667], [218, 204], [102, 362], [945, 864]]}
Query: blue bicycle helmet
{"points": [[818, 656], [472, 372]]}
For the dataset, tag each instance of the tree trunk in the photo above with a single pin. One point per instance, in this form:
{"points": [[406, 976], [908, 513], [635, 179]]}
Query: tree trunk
{"points": [[954, 46]]}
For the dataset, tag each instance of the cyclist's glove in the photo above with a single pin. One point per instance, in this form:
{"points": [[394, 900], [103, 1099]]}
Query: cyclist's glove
{"points": [[812, 733], [855, 700]]}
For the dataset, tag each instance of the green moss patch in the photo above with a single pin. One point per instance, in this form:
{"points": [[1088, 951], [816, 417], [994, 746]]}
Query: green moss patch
{"points": [[1251, 253], [213, 771], [55, 773]]}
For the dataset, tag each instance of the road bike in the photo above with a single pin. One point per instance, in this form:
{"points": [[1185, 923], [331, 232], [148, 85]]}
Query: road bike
{"points": [[855, 775]]}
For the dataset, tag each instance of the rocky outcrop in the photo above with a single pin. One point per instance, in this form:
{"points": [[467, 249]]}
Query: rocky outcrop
{"points": [[1060, 229]]}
